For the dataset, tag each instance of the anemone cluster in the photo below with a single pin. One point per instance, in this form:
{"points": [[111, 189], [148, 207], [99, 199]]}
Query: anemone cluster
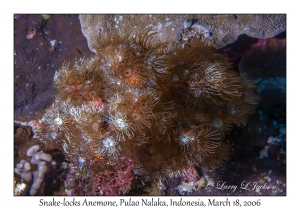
{"points": [[163, 106]]}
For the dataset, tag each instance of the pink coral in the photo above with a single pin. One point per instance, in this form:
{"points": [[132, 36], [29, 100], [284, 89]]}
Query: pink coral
{"points": [[115, 182]]}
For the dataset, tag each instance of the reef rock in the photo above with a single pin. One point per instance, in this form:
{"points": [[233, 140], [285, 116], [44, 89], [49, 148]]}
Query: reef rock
{"points": [[222, 29]]}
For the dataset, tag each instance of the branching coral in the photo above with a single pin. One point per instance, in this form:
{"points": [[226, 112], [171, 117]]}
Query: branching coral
{"points": [[162, 106], [36, 168]]}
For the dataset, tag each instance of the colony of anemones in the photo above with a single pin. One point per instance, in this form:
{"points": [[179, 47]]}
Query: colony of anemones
{"points": [[163, 106]]}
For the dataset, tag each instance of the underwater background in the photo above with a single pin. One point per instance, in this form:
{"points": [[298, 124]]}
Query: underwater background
{"points": [[252, 44]]}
